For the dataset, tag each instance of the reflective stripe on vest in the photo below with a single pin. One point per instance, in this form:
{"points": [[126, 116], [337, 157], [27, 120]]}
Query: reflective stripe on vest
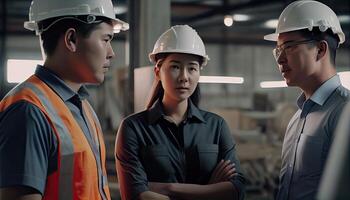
{"points": [[65, 179], [65, 145], [76, 177], [99, 154], [100, 138]]}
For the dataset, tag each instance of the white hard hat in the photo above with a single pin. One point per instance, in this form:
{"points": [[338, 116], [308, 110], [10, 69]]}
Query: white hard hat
{"points": [[306, 15], [180, 39], [46, 9]]}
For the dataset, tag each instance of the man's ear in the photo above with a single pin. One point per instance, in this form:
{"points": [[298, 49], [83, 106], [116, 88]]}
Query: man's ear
{"points": [[322, 48], [70, 39]]}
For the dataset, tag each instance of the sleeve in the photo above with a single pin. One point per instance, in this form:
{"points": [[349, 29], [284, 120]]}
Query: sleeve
{"points": [[26, 145], [131, 174], [227, 151], [334, 118]]}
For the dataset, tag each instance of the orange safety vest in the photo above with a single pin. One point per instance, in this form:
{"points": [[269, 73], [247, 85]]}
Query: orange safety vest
{"points": [[76, 177]]}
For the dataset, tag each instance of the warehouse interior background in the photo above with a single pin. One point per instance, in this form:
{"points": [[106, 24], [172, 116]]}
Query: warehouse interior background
{"points": [[256, 105]]}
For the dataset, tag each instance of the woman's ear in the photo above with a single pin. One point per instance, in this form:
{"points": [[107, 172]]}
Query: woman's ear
{"points": [[156, 70], [322, 49], [70, 39]]}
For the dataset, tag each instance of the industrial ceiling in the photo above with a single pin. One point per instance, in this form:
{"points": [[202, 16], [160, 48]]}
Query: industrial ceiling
{"points": [[206, 16]]}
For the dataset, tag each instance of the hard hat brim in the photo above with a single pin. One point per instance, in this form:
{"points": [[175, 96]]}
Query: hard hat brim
{"points": [[30, 25], [124, 25], [271, 37]]}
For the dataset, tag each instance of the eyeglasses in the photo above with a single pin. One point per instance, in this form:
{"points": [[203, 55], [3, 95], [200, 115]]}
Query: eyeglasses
{"points": [[281, 48]]}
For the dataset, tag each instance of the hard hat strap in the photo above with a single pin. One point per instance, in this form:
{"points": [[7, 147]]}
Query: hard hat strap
{"points": [[90, 19]]}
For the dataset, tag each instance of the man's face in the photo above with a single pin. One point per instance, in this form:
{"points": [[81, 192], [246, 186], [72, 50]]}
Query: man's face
{"points": [[296, 58], [94, 54]]}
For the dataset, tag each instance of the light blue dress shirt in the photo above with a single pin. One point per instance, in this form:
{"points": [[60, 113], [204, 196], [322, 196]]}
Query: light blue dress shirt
{"points": [[308, 138]]}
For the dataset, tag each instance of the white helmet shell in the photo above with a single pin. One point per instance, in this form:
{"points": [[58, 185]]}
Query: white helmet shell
{"points": [[306, 14], [45, 9], [180, 39]]}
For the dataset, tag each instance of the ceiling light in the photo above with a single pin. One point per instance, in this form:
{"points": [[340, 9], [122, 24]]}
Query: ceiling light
{"points": [[120, 9], [344, 79], [344, 18], [273, 84], [240, 17], [272, 23], [228, 20], [221, 79]]}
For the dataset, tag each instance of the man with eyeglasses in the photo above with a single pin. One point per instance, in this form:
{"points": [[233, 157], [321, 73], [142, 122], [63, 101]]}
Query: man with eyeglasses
{"points": [[308, 35]]}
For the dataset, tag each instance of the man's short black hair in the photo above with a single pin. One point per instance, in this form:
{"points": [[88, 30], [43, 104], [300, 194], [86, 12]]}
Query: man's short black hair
{"points": [[331, 38], [56, 27]]}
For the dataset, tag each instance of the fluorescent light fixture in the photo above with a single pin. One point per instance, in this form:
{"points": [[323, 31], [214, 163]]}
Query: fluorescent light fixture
{"points": [[344, 18], [272, 23], [20, 70], [240, 17], [120, 9], [228, 20], [221, 79], [273, 84], [345, 79]]}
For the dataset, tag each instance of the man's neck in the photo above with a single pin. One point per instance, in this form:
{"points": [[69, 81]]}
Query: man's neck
{"points": [[312, 84], [61, 72]]}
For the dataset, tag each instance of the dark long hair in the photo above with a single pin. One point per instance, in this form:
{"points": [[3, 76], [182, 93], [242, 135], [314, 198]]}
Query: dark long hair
{"points": [[157, 91]]}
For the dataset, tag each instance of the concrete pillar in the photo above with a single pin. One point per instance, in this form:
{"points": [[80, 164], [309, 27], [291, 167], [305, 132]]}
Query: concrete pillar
{"points": [[148, 19]]}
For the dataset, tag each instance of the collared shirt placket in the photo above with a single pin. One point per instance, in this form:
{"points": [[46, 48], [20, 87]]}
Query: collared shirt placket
{"points": [[180, 145], [300, 127]]}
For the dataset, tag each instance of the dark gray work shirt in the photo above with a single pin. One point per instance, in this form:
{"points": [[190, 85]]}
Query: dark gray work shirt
{"points": [[28, 145], [308, 138], [149, 148]]}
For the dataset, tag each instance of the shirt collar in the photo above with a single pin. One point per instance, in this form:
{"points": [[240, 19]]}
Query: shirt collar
{"points": [[157, 111], [322, 93], [193, 111], [58, 85]]}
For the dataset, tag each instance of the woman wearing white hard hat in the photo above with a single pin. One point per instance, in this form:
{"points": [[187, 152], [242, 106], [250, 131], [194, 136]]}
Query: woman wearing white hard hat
{"points": [[308, 35], [51, 142], [173, 149]]}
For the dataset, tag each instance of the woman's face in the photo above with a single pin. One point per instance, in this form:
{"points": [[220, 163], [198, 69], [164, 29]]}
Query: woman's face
{"points": [[179, 75]]}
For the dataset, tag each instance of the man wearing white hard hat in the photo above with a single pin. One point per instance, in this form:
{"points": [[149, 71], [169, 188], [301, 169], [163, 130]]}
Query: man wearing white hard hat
{"points": [[308, 35], [51, 143], [174, 149]]}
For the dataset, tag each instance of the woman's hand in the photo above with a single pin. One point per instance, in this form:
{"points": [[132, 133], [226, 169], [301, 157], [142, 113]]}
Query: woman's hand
{"points": [[223, 171]]}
